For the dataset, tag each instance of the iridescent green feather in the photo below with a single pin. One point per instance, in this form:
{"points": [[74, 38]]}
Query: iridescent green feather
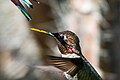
{"points": [[88, 72]]}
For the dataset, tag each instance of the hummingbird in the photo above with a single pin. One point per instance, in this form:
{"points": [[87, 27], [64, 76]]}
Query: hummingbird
{"points": [[22, 8], [72, 61]]}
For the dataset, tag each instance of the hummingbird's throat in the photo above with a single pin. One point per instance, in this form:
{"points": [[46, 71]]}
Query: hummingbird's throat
{"points": [[70, 49]]}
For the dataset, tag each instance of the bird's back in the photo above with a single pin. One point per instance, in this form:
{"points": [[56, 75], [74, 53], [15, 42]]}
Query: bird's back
{"points": [[87, 72]]}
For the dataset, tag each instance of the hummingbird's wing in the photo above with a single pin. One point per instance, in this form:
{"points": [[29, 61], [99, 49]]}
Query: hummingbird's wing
{"points": [[88, 72], [64, 64]]}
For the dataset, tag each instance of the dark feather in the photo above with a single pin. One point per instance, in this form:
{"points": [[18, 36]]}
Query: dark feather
{"points": [[64, 64], [88, 72]]}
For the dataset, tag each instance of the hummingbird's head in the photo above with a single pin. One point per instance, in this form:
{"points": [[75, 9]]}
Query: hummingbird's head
{"points": [[67, 41]]}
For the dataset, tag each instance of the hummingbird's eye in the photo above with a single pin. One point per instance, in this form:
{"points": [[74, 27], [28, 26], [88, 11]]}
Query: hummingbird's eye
{"points": [[62, 37]]}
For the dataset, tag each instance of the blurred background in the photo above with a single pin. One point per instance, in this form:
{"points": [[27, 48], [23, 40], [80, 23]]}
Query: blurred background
{"points": [[96, 22]]}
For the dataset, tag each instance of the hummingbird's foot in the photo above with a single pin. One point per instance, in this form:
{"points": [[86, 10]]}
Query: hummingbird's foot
{"points": [[69, 77], [70, 55]]}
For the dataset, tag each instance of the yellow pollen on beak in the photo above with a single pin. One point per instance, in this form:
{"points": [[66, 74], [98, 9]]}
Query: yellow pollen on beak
{"points": [[38, 30]]}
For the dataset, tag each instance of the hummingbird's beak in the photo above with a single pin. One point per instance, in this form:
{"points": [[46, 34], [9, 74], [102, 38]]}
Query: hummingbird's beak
{"points": [[55, 35], [41, 31]]}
